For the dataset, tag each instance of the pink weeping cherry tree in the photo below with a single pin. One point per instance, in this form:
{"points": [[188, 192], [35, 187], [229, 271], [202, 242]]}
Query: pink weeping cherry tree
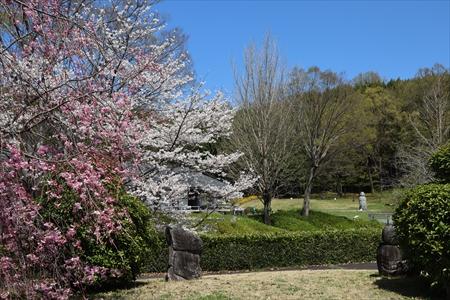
{"points": [[89, 92]]}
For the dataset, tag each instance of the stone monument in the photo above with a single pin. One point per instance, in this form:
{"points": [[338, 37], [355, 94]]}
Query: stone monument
{"points": [[362, 201], [390, 260], [184, 254]]}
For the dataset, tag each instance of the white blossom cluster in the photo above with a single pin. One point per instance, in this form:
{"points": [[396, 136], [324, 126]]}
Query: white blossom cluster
{"points": [[125, 50], [180, 127], [180, 154]]}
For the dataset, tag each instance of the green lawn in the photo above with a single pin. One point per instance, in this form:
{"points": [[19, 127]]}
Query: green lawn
{"points": [[317, 220], [295, 284], [346, 206], [326, 213], [282, 221], [229, 224]]}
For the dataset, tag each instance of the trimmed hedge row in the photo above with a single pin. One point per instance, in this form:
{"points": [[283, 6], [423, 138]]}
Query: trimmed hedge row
{"points": [[288, 250], [241, 252]]}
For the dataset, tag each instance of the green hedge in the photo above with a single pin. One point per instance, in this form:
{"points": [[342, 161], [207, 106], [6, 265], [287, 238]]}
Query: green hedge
{"points": [[289, 250], [241, 252]]}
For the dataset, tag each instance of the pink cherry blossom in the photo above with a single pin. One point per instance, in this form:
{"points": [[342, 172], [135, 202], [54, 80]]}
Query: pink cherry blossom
{"points": [[90, 99]]}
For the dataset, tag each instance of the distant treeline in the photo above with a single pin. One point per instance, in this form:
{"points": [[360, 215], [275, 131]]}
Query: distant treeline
{"points": [[367, 134], [395, 127]]}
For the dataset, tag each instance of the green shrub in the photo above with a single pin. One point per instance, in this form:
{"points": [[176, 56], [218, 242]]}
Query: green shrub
{"points": [[251, 210], [440, 163], [136, 248], [423, 228], [239, 252], [247, 243]]}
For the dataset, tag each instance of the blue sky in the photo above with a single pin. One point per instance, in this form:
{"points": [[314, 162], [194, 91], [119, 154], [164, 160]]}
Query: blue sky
{"points": [[393, 38]]}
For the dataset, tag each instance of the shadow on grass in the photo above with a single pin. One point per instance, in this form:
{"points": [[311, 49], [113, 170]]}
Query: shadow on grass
{"points": [[93, 293], [407, 286]]}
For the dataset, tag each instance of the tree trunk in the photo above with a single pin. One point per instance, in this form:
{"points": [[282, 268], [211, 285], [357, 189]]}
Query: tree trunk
{"points": [[305, 210], [380, 170], [372, 189], [339, 187], [267, 198]]}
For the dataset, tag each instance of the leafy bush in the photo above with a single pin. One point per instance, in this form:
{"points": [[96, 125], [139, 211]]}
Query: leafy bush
{"points": [[238, 252], [440, 163], [251, 210], [247, 243], [423, 228], [287, 249], [133, 249]]}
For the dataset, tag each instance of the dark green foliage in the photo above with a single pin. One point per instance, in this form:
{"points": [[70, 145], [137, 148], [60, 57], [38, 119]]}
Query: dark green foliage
{"points": [[238, 252], [423, 228], [387, 127], [440, 163], [134, 249], [62, 213], [292, 241]]}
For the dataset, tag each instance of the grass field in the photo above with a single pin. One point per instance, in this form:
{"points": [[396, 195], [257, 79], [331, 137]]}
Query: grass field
{"points": [[346, 206], [326, 213], [282, 221], [304, 284]]}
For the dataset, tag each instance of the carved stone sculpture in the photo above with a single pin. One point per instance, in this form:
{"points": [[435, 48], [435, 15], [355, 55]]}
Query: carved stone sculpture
{"points": [[390, 260], [184, 254]]}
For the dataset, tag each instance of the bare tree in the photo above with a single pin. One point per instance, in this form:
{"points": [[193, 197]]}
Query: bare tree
{"points": [[322, 102], [261, 125], [367, 79], [431, 125]]}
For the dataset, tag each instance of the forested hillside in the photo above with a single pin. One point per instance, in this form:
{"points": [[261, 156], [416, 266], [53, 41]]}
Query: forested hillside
{"points": [[334, 134], [394, 128]]}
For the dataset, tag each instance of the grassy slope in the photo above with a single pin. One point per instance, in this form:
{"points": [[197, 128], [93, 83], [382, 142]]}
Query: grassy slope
{"points": [[228, 224], [282, 221], [317, 220], [326, 213], [306, 284]]}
